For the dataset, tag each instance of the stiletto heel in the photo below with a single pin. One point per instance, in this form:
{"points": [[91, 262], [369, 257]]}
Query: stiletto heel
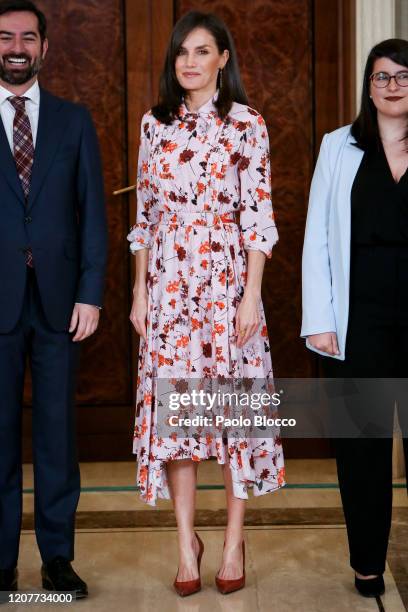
{"points": [[229, 586], [188, 587]]}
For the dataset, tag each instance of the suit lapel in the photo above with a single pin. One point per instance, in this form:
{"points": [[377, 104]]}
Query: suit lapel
{"points": [[51, 127], [8, 165]]}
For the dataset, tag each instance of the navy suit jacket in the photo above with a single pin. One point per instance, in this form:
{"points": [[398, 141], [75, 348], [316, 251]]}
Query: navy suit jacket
{"points": [[64, 221]]}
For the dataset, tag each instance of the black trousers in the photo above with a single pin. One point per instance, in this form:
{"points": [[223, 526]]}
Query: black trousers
{"points": [[376, 347], [53, 357]]}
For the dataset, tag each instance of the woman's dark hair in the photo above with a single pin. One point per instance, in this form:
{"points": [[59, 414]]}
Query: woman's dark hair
{"points": [[13, 6], [170, 91], [365, 127]]}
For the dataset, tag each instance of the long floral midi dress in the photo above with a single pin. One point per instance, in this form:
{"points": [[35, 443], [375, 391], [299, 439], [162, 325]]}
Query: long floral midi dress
{"points": [[193, 175]]}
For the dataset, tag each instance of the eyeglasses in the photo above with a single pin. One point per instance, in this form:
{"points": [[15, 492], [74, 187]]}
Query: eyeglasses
{"points": [[383, 79]]}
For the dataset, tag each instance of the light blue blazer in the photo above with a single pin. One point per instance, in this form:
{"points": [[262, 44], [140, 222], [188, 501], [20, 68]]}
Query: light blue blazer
{"points": [[326, 249]]}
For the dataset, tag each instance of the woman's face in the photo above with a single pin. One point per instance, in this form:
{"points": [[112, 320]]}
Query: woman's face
{"points": [[198, 61], [391, 100]]}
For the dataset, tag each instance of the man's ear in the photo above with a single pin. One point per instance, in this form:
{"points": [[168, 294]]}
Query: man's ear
{"points": [[44, 48]]}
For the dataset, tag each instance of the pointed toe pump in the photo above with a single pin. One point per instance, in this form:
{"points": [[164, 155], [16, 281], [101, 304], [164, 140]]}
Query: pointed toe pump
{"points": [[188, 587], [229, 586]]}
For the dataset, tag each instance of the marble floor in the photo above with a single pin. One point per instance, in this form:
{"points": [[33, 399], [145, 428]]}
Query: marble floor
{"points": [[296, 545]]}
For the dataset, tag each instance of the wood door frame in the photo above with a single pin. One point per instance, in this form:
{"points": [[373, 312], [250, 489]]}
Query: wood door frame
{"points": [[334, 102], [149, 22], [334, 76]]}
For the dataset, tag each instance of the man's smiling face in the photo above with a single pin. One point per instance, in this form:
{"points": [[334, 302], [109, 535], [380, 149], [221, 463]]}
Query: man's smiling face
{"points": [[21, 49]]}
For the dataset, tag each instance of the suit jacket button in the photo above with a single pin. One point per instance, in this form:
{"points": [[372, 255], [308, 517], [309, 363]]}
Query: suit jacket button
{"points": [[27, 219]]}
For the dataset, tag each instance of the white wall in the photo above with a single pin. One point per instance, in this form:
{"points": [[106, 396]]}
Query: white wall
{"points": [[401, 19], [375, 21]]}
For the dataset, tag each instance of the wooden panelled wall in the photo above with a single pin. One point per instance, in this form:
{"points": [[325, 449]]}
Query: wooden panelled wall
{"points": [[86, 63], [275, 57], [108, 54]]}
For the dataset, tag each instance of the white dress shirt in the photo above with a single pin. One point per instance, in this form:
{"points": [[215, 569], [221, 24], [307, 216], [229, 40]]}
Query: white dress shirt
{"points": [[7, 111], [32, 105]]}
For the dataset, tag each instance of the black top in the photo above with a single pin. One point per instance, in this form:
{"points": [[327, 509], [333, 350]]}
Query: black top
{"points": [[379, 205]]}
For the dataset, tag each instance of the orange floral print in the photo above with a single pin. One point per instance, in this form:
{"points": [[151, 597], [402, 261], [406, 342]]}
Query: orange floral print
{"points": [[193, 176]]}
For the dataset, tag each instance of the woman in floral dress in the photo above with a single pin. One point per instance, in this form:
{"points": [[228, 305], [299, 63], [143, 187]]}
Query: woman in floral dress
{"points": [[204, 158]]}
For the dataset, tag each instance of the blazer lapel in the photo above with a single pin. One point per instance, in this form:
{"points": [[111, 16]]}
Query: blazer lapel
{"points": [[51, 127], [8, 165], [351, 160]]}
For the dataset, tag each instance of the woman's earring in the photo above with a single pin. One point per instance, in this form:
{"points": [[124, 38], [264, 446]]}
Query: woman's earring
{"points": [[220, 73]]}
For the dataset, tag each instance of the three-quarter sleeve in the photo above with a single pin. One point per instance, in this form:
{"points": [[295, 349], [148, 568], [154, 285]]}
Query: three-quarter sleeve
{"points": [[141, 234], [256, 214]]}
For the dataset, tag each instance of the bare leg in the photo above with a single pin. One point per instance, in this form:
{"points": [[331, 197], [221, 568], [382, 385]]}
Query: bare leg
{"points": [[232, 561], [182, 477]]}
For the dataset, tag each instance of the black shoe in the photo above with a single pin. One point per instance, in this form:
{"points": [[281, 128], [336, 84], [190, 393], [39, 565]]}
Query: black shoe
{"points": [[8, 583], [371, 587], [8, 579], [58, 575]]}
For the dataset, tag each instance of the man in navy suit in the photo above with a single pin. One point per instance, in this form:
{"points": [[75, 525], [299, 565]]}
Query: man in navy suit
{"points": [[53, 247]]}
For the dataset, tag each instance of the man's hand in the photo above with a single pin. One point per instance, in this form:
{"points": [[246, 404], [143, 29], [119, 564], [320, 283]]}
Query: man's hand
{"points": [[84, 320]]}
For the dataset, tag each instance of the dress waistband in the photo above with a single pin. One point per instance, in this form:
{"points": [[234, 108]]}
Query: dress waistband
{"points": [[203, 218]]}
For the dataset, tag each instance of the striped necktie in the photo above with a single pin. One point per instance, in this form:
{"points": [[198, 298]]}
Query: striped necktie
{"points": [[23, 149]]}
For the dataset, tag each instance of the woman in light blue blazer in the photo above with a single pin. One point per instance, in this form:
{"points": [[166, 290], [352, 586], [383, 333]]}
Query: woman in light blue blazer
{"points": [[355, 287]]}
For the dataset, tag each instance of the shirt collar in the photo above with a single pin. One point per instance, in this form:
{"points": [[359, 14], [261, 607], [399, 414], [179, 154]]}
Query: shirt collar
{"points": [[33, 94], [208, 108]]}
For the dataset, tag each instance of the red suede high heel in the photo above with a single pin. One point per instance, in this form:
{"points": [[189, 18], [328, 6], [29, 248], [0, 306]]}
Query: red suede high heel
{"points": [[188, 587], [229, 586]]}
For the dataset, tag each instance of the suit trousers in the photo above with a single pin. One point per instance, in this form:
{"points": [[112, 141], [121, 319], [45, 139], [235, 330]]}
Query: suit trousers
{"points": [[53, 358], [376, 347]]}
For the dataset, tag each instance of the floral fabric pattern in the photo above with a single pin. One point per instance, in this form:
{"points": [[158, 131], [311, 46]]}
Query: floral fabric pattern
{"points": [[203, 200]]}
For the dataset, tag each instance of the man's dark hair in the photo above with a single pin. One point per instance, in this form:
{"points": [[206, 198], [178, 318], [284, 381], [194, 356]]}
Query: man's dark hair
{"points": [[13, 6], [171, 92], [365, 127]]}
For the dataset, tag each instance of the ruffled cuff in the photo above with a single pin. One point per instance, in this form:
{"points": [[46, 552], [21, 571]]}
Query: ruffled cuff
{"points": [[256, 240], [140, 237]]}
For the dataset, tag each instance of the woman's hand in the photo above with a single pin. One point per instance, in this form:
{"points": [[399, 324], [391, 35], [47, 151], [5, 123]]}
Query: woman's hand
{"points": [[247, 318], [138, 313], [326, 342]]}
